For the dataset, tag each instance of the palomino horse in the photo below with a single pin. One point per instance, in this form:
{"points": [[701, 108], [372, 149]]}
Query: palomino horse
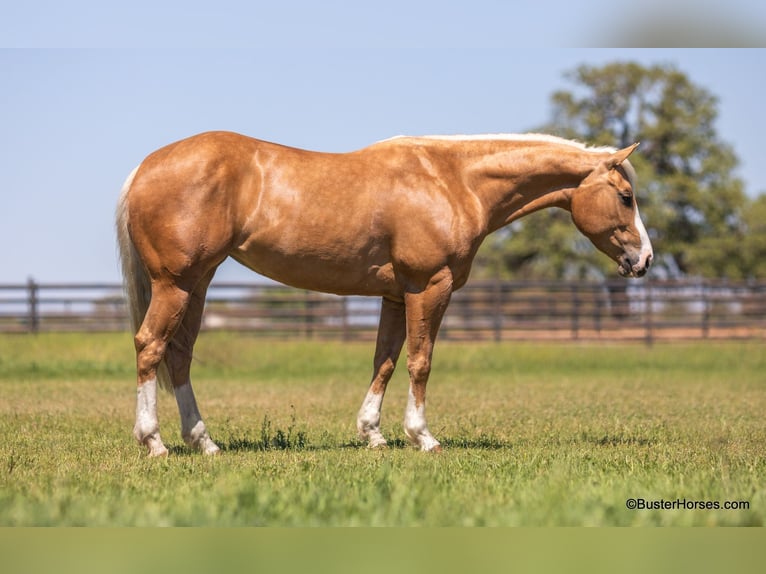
{"points": [[401, 219]]}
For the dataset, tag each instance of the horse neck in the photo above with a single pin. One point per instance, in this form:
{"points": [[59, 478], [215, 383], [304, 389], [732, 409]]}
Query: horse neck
{"points": [[515, 178]]}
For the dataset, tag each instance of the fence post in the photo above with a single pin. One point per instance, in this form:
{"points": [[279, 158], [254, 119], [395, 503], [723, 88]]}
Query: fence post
{"points": [[598, 304], [345, 319], [33, 317], [575, 311], [648, 309], [705, 310], [497, 310]]}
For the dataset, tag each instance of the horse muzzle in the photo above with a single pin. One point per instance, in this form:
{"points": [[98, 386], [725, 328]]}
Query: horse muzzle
{"points": [[629, 267]]}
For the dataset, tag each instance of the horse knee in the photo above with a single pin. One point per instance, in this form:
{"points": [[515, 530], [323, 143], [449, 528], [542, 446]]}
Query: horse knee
{"points": [[383, 373], [419, 368]]}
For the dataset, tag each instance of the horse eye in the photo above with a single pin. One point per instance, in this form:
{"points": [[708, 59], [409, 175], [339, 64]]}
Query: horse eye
{"points": [[627, 200]]}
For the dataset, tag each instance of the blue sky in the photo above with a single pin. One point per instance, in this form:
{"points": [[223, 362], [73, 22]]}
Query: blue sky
{"points": [[76, 121]]}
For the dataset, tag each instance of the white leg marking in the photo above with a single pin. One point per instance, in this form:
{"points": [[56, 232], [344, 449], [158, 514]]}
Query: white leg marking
{"points": [[368, 420], [147, 429], [415, 426], [193, 428]]}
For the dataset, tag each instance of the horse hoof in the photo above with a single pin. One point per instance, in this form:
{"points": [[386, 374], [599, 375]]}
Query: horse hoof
{"points": [[156, 446], [374, 439], [158, 452], [201, 442]]}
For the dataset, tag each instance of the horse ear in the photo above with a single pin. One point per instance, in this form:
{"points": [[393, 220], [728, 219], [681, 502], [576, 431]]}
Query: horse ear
{"points": [[620, 156]]}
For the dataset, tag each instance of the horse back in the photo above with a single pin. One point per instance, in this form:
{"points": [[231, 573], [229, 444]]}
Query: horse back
{"points": [[331, 222]]}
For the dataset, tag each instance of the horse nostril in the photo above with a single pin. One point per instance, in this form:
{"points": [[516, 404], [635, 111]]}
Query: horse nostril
{"points": [[649, 261]]}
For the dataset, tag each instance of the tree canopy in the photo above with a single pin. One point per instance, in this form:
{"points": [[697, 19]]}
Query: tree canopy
{"points": [[700, 220]]}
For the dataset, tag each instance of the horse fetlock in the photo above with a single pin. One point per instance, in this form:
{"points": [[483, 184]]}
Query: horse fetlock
{"points": [[151, 440], [374, 439], [157, 449], [199, 439], [416, 430], [206, 446], [373, 436], [367, 423], [423, 439], [369, 430]]}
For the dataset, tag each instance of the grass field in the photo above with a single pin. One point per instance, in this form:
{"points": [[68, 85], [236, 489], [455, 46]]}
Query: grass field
{"points": [[534, 435]]}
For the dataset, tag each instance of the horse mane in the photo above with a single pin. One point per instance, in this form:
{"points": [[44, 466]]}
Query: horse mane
{"points": [[528, 137]]}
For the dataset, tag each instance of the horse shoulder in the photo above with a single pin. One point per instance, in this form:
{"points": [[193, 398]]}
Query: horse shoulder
{"points": [[435, 221]]}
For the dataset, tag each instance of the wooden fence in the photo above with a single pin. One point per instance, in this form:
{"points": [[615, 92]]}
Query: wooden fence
{"points": [[483, 310]]}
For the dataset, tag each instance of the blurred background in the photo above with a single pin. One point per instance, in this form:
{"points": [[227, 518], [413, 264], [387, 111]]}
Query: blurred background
{"points": [[90, 91]]}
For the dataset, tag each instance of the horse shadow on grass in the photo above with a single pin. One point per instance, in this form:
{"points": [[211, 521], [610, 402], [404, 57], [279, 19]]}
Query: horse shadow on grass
{"points": [[397, 443], [617, 440], [299, 442], [247, 445]]}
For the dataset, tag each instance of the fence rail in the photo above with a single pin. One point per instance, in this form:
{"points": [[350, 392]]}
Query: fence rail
{"points": [[483, 310]]}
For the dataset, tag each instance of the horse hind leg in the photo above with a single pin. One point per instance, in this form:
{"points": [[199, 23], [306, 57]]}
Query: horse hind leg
{"points": [[178, 360], [166, 310]]}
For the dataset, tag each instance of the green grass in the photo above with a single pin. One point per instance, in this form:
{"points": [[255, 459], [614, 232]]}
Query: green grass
{"points": [[534, 434]]}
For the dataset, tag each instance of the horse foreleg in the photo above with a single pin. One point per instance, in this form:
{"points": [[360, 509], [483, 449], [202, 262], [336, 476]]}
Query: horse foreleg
{"points": [[425, 311], [391, 334]]}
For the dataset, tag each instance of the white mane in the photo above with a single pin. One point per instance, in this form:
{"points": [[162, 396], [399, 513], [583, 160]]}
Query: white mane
{"points": [[530, 137], [533, 137]]}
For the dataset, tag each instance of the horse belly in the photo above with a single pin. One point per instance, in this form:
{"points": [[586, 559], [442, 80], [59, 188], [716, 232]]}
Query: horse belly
{"points": [[321, 266]]}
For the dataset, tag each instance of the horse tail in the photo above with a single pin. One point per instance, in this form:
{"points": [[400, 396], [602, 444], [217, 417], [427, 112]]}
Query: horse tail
{"points": [[135, 279]]}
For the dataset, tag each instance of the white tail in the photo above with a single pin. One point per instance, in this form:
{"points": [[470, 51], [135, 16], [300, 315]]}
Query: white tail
{"points": [[136, 283]]}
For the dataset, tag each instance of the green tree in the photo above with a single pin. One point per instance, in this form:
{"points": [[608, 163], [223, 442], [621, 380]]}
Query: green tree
{"points": [[740, 254], [693, 204]]}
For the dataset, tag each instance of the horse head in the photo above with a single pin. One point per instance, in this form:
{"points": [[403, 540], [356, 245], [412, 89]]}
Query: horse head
{"points": [[604, 209]]}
